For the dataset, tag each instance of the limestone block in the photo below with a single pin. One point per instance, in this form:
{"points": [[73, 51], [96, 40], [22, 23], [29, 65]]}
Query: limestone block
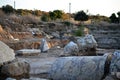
{"points": [[78, 68], [28, 52]]}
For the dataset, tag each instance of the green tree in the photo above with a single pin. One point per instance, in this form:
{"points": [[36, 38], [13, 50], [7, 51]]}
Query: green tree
{"points": [[118, 16], [45, 18], [56, 14], [52, 15], [113, 18], [8, 9], [81, 16]]}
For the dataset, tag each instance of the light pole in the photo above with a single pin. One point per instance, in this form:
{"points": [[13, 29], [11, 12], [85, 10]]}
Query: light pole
{"points": [[14, 4], [14, 7], [70, 14], [69, 10]]}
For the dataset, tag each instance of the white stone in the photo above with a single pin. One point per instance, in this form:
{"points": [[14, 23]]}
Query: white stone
{"points": [[28, 52], [71, 48]]}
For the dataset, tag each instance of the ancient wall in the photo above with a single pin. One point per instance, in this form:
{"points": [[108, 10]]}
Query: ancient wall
{"points": [[106, 36]]}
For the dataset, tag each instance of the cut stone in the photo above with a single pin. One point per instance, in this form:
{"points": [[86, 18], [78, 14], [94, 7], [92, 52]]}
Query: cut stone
{"points": [[78, 68], [28, 52]]}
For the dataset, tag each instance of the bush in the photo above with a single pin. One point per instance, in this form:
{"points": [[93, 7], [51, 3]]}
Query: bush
{"points": [[79, 32], [45, 18], [67, 23]]}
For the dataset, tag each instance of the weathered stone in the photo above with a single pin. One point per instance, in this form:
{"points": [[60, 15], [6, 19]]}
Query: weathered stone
{"points": [[87, 45], [10, 79], [44, 45], [78, 68], [35, 79], [70, 49], [115, 64], [109, 77], [28, 52], [17, 68], [86, 42], [6, 53]]}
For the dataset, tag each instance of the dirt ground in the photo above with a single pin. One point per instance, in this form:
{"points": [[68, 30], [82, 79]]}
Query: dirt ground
{"points": [[40, 64]]}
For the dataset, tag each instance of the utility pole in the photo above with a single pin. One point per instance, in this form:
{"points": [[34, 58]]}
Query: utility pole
{"points": [[14, 7], [69, 10], [70, 14], [14, 4]]}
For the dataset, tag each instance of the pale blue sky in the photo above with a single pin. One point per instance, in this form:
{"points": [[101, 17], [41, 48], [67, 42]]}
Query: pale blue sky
{"points": [[102, 7]]}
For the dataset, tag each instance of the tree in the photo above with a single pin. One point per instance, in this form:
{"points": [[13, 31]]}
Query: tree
{"points": [[7, 9], [56, 14], [81, 16], [45, 18], [113, 18], [52, 15], [118, 16]]}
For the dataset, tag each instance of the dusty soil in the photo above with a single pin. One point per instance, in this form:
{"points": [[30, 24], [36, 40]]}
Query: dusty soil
{"points": [[41, 64]]}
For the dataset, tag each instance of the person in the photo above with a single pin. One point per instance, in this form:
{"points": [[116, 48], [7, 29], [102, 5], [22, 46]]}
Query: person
{"points": [[44, 46]]}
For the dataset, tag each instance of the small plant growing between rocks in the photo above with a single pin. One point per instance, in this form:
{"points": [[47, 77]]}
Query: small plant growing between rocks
{"points": [[79, 31]]}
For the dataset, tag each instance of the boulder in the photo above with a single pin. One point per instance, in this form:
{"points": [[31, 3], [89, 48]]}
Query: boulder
{"points": [[6, 53], [78, 68], [44, 45], [87, 45], [70, 49], [17, 68]]}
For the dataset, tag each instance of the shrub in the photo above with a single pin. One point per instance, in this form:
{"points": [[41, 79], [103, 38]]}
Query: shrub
{"points": [[79, 32]]}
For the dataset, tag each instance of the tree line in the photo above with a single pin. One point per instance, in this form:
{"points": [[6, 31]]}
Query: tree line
{"points": [[59, 14], [114, 18]]}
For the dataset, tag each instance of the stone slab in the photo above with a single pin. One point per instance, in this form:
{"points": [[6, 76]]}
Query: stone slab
{"points": [[28, 52]]}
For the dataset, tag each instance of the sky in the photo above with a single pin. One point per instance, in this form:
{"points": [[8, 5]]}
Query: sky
{"points": [[94, 7]]}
